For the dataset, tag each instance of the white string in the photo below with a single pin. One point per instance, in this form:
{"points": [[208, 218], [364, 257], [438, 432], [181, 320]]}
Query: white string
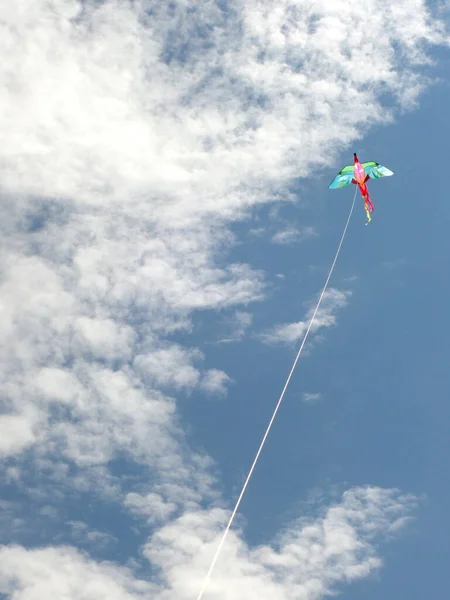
{"points": [[305, 337]]}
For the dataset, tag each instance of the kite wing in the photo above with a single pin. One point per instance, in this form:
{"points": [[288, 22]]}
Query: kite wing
{"points": [[374, 170], [344, 177]]}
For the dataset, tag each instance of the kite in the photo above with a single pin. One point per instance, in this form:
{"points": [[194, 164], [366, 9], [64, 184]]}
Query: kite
{"points": [[358, 174]]}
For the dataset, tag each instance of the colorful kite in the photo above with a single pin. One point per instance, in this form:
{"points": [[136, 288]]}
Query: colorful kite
{"points": [[358, 174]]}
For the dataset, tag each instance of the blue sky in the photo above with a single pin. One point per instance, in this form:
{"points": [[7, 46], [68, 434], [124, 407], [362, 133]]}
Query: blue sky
{"points": [[166, 230], [383, 370]]}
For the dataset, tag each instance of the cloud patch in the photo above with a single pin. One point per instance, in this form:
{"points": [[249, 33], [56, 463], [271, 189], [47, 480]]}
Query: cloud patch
{"points": [[311, 397], [291, 235], [290, 333]]}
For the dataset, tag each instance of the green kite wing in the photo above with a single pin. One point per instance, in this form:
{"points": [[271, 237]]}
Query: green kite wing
{"points": [[344, 177], [374, 170]]}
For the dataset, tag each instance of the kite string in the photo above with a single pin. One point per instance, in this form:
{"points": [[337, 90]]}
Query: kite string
{"points": [[305, 337]]}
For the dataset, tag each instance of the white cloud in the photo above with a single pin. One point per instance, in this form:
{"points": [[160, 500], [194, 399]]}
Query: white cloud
{"points": [[290, 333], [152, 506], [132, 135], [84, 535], [104, 339], [56, 384], [311, 396], [239, 324], [215, 382], [170, 366], [63, 572], [257, 232], [244, 320], [16, 432], [291, 235], [311, 559], [286, 334]]}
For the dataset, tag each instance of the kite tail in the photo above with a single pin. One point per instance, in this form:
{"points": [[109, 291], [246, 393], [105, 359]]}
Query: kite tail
{"points": [[368, 206], [368, 211]]}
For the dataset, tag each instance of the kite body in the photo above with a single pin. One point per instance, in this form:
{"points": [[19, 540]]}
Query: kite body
{"points": [[359, 174]]}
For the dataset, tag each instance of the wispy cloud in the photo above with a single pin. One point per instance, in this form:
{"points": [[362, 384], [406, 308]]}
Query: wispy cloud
{"points": [[290, 333], [132, 135], [311, 396], [169, 367], [291, 235], [84, 535], [239, 324], [215, 382], [152, 506]]}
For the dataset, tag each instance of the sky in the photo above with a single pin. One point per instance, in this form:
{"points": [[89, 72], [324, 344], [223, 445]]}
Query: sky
{"points": [[166, 229]]}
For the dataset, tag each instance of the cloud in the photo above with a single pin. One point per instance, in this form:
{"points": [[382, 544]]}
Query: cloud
{"points": [[133, 135], [171, 366], [290, 333], [104, 339], [311, 397], [310, 559], [239, 323], [84, 535], [16, 432], [291, 235], [215, 382], [152, 506], [65, 573]]}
